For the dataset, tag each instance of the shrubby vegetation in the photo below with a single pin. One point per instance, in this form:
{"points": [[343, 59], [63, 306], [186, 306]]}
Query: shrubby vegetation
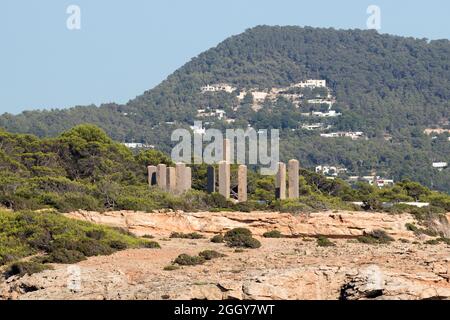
{"points": [[53, 238], [273, 234], [84, 169], [325, 242], [241, 238], [375, 237], [187, 260]]}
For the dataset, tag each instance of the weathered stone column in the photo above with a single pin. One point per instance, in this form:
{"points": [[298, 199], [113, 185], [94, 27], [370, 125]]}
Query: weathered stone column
{"points": [[171, 180], [242, 183], [151, 171], [224, 179], [227, 150], [180, 170], [188, 179], [161, 176], [211, 180], [280, 186], [293, 171]]}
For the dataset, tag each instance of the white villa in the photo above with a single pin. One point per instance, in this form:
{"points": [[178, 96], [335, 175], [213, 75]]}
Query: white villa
{"points": [[440, 165], [353, 135], [311, 84], [330, 170], [136, 145], [218, 87]]}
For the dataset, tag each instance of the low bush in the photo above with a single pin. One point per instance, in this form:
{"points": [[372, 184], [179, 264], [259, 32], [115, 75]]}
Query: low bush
{"points": [[218, 238], [171, 268], [411, 227], [118, 245], [273, 234], [180, 235], [324, 242], [375, 237], [438, 240], [58, 239], [238, 231], [241, 237], [151, 245], [187, 260], [211, 254], [25, 268], [64, 256]]}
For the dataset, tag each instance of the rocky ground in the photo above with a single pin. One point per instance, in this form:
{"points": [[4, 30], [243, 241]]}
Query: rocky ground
{"points": [[288, 268]]}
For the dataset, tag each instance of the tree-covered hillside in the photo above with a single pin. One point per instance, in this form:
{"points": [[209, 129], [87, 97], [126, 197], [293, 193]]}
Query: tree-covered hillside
{"points": [[83, 168], [385, 86]]}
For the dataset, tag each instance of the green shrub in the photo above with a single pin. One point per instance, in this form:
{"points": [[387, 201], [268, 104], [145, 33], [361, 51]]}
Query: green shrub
{"points": [[151, 245], [96, 234], [238, 231], [187, 260], [324, 242], [375, 237], [241, 237], [243, 242], [411, 227], [273, 234], [24, 268], [64, 256], [218, 238], [211, 254], [438, 240], [171, 268], [59, 239], [118, 245], [180, 235]]}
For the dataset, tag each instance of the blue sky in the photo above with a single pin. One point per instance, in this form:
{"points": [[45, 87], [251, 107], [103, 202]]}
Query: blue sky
{"points": [[127, 47]]}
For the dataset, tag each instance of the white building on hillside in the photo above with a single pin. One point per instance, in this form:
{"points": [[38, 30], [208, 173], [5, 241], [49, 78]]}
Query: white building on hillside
{"points": [[218, 87], [330, 170], [136, 145], [353, 135], [311, 84], [440, 165]]}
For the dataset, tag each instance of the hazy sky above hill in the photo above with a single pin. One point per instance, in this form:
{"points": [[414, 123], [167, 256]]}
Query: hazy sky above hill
{"points": [[126, 47]]}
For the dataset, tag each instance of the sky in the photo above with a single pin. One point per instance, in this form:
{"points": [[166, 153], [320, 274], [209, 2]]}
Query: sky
{"points": [[124, 48]]}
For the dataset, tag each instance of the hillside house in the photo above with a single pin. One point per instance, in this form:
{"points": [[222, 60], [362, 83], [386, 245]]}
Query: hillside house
{"points": [[342, 134], [217, 88], [440, 165]]}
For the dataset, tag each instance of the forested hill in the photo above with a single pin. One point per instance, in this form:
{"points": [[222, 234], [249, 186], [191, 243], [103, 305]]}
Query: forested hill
{"points": [[385, 86]]}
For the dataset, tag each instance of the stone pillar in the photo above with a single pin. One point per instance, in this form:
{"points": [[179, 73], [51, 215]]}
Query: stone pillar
{"points": [[180, 171], [280, 186], [293, 171], [242, 183], [161, 176], [171, 180], [187, 179], [224, 179], [227, 150], [211, 180], [151, 171]]}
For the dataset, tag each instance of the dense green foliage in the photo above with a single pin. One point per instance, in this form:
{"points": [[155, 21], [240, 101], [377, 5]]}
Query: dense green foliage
{"points": [[241, 238], [383, 84], [84, 169], [375, 237], [56, 239], [187, 260]]}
